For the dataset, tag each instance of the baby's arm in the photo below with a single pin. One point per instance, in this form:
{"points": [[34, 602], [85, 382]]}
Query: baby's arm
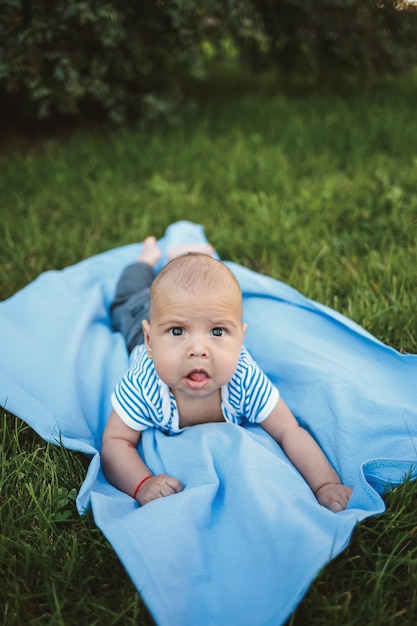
{"points": [[307, 456], [124, 467]]}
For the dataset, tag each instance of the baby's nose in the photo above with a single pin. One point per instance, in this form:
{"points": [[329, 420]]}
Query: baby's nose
{"points": [[198, 347]]}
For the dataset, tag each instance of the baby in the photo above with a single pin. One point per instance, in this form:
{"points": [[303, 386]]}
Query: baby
{"points": [[189, 366]]}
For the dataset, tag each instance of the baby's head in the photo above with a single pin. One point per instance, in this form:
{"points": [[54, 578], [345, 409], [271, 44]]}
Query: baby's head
{"points": [[195, 273], [195, 332]]}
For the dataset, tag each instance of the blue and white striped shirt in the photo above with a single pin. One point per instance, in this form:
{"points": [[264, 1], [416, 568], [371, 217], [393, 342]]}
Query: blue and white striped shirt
{"points": [[143, 401]]}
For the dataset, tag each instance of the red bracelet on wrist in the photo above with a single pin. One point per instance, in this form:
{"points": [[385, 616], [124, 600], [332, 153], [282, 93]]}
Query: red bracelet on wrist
{"points": [[135, 493]]}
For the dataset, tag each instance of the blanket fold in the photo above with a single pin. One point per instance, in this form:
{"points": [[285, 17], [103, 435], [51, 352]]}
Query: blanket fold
{"points": [[243, 541]]}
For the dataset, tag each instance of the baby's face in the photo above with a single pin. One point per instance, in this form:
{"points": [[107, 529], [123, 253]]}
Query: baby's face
{"points": [[195, 339]]}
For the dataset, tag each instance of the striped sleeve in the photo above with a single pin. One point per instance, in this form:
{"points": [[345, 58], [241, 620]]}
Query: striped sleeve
{"points": [[251, 392], [137, 397]]}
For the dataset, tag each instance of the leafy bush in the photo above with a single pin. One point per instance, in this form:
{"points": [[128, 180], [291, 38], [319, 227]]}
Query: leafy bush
{"points": [[72, 56], [126, 59], [367, 36]]}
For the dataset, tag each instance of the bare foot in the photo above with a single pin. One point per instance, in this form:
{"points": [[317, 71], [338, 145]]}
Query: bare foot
{"points": [[150, 253], [203, 248]]}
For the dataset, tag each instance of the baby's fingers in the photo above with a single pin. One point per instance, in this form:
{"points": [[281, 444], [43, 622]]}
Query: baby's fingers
{"points": [[335, 497], [158, 486], [174, 484], [336, 505]]}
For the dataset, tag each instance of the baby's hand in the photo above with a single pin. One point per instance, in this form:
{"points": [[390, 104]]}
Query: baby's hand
{"points": [[333, 496], [158, 486]]}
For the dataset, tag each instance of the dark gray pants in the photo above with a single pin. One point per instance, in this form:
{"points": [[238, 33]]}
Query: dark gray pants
{"points": [[131, 302]]}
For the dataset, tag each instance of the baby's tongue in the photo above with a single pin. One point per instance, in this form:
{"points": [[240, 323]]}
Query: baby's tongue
{"points": [[198, 376]]}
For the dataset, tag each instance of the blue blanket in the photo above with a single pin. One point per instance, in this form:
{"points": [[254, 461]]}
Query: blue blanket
{"points": [[243, 541]]}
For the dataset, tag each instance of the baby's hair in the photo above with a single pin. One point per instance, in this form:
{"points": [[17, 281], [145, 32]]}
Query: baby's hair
{"points": [[193, 272]]}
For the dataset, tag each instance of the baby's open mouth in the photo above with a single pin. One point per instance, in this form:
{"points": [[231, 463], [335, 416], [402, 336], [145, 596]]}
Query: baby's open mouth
{"points": [[198, 375], [197, 379]]}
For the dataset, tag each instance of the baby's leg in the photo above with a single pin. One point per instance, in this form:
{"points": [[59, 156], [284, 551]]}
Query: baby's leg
{"points": [[202, 248], [131, 301]]}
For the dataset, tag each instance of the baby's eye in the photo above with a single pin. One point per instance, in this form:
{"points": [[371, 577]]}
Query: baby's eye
{"points": [[218, 332], [176, 331]]}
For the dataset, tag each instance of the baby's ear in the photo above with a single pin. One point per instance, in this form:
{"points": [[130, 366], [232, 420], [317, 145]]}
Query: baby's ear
{"points": [[244, 327], [146, 327]]}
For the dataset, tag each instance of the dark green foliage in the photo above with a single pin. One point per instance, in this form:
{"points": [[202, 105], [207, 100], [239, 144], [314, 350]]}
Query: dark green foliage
{"points": [[366, 36], [117, 57], [127, 60]]}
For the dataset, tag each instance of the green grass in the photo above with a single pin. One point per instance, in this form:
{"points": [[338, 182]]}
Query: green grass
{"points": [[319, 191], [55, 566]]}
